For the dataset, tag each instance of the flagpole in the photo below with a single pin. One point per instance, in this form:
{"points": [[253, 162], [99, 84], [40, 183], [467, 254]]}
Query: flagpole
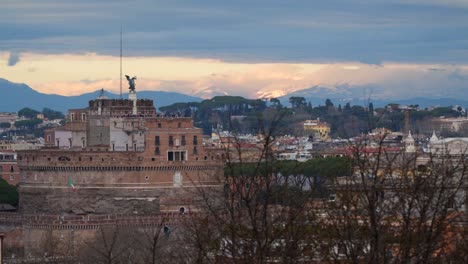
{"points": [[120, 61]]}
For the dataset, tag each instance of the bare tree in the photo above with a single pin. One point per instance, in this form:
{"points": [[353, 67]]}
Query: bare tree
{"points": [[390, 207], [111, 244], [396, 207]]}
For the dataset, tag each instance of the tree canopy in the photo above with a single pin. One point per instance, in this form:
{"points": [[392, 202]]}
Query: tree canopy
{"points": [[28, 113]]}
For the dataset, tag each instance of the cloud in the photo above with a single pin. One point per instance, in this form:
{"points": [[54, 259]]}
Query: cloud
{"points": [[423, 31], [72, 74], [13, 59]]}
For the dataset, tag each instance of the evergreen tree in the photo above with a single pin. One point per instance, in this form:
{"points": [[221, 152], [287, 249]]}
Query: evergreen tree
{"points": [[347, 108]]}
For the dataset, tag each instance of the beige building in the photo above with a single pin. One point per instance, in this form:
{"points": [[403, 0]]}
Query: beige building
{"points": [[318, 129], [448, 146], [452, 124]]}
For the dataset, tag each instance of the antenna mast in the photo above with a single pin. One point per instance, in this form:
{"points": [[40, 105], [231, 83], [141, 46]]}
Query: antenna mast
{"points": [[120, 61]]}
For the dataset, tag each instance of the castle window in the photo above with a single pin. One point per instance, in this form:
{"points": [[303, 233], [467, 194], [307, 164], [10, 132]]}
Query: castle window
{"points": [[176, 155], [195, 140], [179, 125], [157, 151], [184, 142], [195, 150], [159, 125], [156, 141], [171, 141], [12, 177], [72, 117], [83, 116]]}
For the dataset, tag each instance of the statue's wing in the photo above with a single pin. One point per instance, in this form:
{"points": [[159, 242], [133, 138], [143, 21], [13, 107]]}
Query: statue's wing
{"points": [[128, 77], [134, 77]]}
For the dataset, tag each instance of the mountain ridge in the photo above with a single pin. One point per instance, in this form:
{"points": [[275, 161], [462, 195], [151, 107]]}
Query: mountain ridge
{"points": [[20, 95]]}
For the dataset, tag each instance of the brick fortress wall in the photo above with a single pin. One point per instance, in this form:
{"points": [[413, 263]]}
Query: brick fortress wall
{"points": [[110, 182]]}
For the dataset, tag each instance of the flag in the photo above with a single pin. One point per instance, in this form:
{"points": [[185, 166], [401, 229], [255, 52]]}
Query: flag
{"points": [[70, 182]]}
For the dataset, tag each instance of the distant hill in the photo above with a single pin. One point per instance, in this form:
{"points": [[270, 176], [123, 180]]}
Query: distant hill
{"points": [[342, 95], [19, 95]]}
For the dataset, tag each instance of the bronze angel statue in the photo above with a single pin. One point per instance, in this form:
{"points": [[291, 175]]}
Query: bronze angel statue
{"points": [[131, 82]]}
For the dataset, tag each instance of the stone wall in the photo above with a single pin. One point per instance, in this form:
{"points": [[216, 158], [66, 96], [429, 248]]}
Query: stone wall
{"points": [[89, 200]]}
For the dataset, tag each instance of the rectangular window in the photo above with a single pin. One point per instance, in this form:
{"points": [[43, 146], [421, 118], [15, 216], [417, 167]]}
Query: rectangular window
{"points": [[184, 142], [1, 168], [157, 151], [156, 141], [176, 155], [171, 141], [12, 177], [195, 140], [12, 169], [195, 150]]}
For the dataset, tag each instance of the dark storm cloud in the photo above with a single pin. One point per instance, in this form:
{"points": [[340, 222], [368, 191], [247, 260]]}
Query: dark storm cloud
{"points": [[253, 30]]}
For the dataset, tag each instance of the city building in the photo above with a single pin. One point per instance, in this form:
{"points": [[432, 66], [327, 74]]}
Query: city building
{"points": [[318, 129], [9, 167]]}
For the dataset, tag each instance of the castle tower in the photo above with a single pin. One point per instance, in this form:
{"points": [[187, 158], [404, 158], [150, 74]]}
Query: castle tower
{"points": [[133, 97], [410, 143], [433, 137]]}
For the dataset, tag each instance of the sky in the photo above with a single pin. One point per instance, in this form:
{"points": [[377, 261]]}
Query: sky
{"points": [[253, 48]]}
